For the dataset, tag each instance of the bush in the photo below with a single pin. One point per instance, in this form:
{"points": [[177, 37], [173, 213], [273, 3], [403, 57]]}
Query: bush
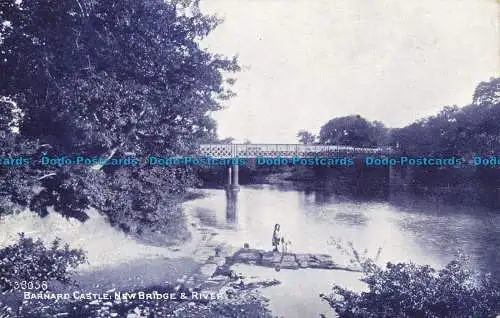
{"points": [[410, 290], [31, 261]]}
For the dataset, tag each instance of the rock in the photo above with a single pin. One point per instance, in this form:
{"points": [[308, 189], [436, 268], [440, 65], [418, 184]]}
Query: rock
{"points": [[246, 245], [208, 269], [213, 285], [270, 259], [303, 264], [303, 257], [223, 270], [281, 261], [268, 283], [246, 257], [321, 257], [325, 265], [219, 279], [320, 261], [253, 285], [218, 260], [289, 262]]}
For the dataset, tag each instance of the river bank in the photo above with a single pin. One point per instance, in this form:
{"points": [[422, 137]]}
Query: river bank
{"points": [[121, 263]]}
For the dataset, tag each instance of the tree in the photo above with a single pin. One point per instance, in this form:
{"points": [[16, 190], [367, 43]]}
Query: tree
{"points": [[105, 79], [473, 129], [409, 290], [487, 93], [306, 137], [352, 131], [228, 140], [380, 133]]}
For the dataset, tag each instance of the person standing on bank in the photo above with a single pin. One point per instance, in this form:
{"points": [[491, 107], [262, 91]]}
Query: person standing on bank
{"points": [[276, 237]]}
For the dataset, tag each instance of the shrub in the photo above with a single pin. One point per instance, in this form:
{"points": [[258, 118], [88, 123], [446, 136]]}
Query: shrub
{"points": [[410, 290], [30, 261]]}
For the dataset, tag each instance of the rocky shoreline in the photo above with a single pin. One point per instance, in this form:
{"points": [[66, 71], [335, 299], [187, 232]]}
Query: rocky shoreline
{"points": [[279, 260]]}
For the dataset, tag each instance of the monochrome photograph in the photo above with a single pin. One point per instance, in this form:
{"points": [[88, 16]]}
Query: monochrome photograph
{"points": [[249, 158]]}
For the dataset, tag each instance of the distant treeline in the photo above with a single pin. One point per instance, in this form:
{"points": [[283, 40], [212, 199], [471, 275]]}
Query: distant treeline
{"points": [[473, 129], [455, 131]]}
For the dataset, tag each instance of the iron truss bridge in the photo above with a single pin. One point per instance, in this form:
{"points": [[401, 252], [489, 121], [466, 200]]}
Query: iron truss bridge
{"points": [[286, 150]]}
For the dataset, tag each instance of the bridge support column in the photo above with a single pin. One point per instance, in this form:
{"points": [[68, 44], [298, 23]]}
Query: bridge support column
{"points": [[231, 206], [236, 176]]}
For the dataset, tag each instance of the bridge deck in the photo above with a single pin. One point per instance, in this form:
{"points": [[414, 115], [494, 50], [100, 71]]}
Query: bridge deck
{"points": [[285, 150]]}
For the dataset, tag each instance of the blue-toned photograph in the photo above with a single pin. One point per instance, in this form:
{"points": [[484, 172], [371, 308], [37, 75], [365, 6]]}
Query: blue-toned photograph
{"points": [[249, 158]]}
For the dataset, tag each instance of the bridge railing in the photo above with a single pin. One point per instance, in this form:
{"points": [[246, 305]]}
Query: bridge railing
{"points": [[284, 150]]}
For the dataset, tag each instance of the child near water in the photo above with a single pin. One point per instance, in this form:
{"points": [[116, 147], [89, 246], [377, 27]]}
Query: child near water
{"points": [[276, 237]]}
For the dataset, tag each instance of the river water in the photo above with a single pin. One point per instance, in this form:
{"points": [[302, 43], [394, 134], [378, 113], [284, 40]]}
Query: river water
{"points": [[420, 230]]}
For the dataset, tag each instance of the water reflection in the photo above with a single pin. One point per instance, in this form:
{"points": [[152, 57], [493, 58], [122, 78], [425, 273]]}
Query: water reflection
{"points": [[421, 230], [231, 207], [408, 229]]}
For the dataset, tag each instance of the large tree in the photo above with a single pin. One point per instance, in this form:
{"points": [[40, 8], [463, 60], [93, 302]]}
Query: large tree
{"points": [[354, 131], [110, 78]]}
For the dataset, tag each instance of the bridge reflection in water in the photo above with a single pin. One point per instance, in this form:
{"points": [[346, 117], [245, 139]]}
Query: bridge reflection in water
{"points": [[231, 206]]}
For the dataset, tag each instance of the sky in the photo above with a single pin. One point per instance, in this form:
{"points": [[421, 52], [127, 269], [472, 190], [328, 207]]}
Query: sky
{"points": [[308, 61]]}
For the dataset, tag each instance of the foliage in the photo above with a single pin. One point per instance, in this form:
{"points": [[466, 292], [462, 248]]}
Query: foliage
{"points": [[487, 93], [306, 137], [106, 79], [466, 131], [228, 140], [410, 290], [29, 260], [353, 131], [360, 260]]}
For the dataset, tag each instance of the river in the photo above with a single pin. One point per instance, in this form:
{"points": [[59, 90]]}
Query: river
{"points": [[407, 228]]}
